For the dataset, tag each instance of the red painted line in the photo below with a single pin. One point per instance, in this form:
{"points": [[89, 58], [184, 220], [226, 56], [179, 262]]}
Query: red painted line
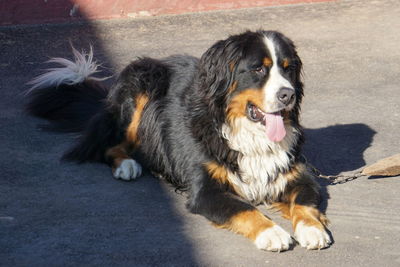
{"points": [[43, 11]]}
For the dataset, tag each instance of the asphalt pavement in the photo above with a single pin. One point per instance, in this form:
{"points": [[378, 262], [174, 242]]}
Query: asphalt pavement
{"points": [[63, 214]]}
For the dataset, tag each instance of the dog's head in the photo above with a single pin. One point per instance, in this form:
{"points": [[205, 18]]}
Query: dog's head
{"points": [[256, 77]]}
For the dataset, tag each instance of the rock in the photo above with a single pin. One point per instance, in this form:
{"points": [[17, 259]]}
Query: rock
{"points": [[385, 167]]}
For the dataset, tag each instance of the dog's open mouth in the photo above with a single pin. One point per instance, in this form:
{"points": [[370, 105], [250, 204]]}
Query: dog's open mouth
{"points": [[273, 122]]}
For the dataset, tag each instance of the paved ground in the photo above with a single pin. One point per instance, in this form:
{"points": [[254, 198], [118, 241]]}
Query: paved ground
{"points": [[53, 213]]}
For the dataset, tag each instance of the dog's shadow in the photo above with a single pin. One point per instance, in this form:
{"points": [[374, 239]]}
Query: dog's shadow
{"points": [[336, 149]]}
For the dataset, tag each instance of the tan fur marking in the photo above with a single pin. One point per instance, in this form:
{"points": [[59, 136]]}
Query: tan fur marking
{"points": [[284, 208], [131, 133], [311, 216], [285, 63], [238, 104], [220, 173], [232, 87], [231, 66], [117, 154], [248, 223], [267, 62], [296, 171], [217, 172]]}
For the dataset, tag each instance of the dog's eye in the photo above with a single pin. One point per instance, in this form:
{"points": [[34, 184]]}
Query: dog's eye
{"points": [[259, 70], [290, 68]]}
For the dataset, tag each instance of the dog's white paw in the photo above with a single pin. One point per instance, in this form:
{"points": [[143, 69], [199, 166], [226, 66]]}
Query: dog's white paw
{"points": [[274, 239], [129, 169], [311, 237]]}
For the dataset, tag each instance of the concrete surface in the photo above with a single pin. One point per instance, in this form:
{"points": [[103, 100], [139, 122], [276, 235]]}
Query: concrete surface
{"points": [[55, 214], [33, 12]]}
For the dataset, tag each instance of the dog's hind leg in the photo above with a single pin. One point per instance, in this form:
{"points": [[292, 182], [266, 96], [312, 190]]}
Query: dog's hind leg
{"points": [[139, 83], [123, 166]]}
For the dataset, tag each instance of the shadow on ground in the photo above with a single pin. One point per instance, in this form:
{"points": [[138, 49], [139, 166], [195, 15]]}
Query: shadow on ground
{"points": [[336, 149], [66, 214]]}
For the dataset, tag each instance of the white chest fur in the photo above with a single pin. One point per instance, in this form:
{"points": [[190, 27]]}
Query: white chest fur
{"points": [[261, 161]]}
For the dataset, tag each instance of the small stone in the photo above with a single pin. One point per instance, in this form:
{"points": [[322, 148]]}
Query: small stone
{"points": [[385, 167]]}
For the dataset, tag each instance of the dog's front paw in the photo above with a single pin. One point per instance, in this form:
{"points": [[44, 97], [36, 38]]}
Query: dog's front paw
{"points": [[311, 237], [274, 239], [129, 169]]}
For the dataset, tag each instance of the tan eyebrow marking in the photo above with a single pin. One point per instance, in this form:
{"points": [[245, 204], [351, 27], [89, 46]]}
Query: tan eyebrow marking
{"points": [[285, 63], [267, 62]]}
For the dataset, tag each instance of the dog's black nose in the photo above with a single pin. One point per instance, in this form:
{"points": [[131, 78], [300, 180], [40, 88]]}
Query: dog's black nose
{"points": [[285, 95]]}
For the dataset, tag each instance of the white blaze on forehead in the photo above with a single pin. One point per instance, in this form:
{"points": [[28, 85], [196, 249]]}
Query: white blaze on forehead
{"points": [[275, 80]]}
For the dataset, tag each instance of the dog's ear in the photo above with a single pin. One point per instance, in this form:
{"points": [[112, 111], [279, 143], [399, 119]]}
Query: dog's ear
{"points": [[217, 67], [298, 84]]}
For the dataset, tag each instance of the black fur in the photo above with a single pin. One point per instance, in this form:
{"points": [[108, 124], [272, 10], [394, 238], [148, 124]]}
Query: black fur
{"points": [[69, 107]]}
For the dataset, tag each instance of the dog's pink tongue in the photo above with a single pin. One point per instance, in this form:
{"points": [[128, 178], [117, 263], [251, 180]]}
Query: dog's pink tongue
{"points": [[274, 126]]}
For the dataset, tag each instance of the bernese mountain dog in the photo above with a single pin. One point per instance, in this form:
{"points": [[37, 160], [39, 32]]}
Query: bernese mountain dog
{"points": [[224, 127]]}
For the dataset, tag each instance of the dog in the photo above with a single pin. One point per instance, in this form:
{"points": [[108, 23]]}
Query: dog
{"points": [[223, 127]]}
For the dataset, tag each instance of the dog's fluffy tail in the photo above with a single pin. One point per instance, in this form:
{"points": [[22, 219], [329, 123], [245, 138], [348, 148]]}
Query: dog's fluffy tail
{"points": [[72, 100]]}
